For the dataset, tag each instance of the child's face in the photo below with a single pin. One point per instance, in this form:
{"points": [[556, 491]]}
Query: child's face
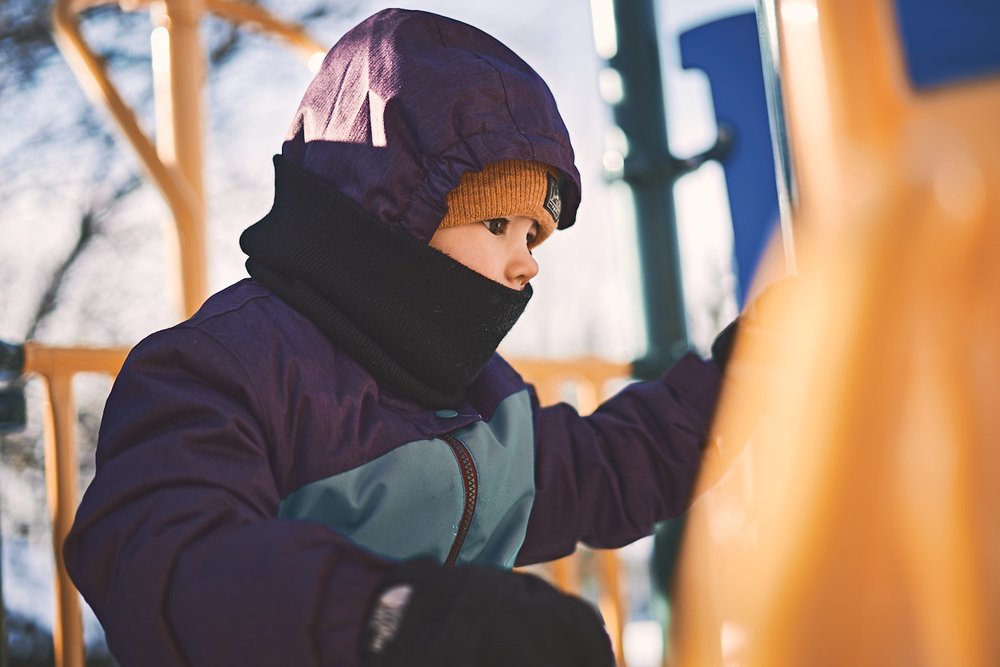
{"points": [[497, 248]]}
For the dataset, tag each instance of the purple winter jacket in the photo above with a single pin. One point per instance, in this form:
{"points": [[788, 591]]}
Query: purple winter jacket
{"points": [[255, 484]]}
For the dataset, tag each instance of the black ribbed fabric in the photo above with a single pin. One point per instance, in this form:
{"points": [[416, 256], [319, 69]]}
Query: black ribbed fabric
{"points": [[420, 322]]}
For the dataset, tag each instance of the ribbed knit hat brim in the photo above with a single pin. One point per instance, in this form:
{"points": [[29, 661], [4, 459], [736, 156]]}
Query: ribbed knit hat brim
{"points": [[507, 189]]}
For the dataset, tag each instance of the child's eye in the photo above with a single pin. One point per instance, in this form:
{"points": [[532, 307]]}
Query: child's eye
{"points": [[533, 234], [497, 226]]}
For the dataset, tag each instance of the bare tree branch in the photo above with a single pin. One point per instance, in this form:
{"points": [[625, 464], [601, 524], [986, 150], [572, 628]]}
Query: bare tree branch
{"points": [[223, 51], [90, 221], [25, 41]]}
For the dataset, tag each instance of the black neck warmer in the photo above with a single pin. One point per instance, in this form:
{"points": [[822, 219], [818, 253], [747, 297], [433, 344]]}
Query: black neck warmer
{"points": [[420, 322]]}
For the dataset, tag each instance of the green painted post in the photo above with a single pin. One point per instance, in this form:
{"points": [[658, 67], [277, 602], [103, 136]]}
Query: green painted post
{"points": [[650, 172], [625, 33]]}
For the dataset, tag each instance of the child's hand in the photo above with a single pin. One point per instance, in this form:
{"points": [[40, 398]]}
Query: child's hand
{"points": [[431, 616]]}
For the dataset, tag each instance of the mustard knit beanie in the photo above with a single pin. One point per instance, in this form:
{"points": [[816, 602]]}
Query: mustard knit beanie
{"points": [[506, 189]]}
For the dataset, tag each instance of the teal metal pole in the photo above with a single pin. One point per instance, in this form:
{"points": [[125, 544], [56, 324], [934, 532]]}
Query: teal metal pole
{"points": [[650, 172], [630, 48]]}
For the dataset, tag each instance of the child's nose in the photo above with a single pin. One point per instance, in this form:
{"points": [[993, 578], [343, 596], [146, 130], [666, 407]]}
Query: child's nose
{"points": [[521, 268]]}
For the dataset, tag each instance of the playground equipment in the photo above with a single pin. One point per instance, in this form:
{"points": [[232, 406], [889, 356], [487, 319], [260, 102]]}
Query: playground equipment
{"points": [[857, 526]]}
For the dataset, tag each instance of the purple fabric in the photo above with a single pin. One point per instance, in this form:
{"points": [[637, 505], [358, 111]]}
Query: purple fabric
{"points": [[211, 424], [407, 101], [605, 479]]}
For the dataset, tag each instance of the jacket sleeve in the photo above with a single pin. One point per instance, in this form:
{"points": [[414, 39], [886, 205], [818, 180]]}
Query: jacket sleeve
{"points": [[605, 479], [176, 546]]}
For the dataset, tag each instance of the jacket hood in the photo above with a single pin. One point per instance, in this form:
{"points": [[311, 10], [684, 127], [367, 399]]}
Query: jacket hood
{"points": [[407, 101]]}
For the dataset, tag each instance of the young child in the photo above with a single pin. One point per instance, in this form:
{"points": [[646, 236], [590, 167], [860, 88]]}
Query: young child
{"points": [[329, 464]]}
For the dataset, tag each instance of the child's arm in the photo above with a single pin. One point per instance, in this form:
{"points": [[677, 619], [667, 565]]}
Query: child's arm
{"points": [[607, 478]]}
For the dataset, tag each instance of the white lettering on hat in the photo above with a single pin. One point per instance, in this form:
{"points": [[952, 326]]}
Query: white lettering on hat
{"points": [[553, 204]]}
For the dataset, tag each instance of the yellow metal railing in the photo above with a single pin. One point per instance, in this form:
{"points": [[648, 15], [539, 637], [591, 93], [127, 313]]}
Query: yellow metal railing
{"points": [[57, 366], [859, 528], [174, 162]]}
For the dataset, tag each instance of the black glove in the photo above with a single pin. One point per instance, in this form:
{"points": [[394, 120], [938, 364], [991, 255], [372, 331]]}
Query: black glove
{"points": [[426, 615], [722, 346]]}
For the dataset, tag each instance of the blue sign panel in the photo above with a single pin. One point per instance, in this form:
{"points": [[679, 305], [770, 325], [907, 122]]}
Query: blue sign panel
{"points": [[948, 41], [728, 51]]}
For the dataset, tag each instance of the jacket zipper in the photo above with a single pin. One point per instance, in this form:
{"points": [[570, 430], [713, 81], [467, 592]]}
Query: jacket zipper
{"points": [[470, 480]]}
